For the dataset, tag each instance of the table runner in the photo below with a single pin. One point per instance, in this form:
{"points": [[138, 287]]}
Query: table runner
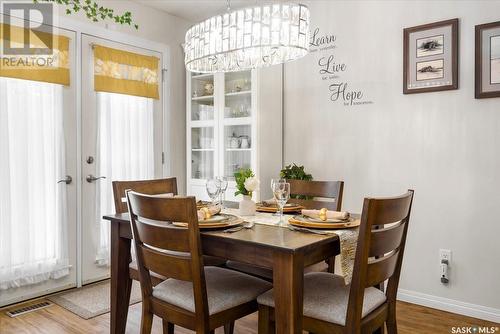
{"points": [[348, 237]]}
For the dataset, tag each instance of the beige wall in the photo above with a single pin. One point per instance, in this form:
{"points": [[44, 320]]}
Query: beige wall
{"points": [[445, 145]]}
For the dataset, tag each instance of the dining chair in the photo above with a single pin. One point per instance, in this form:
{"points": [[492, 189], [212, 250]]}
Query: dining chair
{"points": [[317, 194], [150, 187], [329, 305], [194, 297], [311, 195]]}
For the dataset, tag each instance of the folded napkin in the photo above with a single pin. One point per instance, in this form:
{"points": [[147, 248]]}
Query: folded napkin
{"points": [[271, 201], [207, 212], [325, 214]]}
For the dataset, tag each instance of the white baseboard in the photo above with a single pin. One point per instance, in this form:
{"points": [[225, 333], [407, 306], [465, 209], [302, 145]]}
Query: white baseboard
{"points": [[450, 305]]}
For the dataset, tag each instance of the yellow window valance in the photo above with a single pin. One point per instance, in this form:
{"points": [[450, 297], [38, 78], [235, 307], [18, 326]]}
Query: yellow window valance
{"points": [[31, 63], [124, 72]]}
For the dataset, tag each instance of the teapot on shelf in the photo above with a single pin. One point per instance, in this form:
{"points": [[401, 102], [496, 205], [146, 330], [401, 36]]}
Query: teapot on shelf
{"points": [[234, 141], [244, 141]]}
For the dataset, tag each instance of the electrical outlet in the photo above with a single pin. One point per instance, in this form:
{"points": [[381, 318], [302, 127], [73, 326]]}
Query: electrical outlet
{"points": [[445, 254]]}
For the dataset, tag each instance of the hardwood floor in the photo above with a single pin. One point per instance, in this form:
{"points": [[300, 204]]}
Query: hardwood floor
{"points": [[412, 319]]}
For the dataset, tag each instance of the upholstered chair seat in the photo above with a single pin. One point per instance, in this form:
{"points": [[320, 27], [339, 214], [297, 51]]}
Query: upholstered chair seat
{"points": [[225, 289], [326, 297]]}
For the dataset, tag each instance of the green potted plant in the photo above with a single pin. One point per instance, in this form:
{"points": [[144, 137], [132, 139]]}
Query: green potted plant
{"points": [[246, 184], [295, 172]]}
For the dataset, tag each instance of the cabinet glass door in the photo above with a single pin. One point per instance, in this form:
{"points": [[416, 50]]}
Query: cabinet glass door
{"points": [[237, 122], [202, 126], [202, 97], [202, 152]]}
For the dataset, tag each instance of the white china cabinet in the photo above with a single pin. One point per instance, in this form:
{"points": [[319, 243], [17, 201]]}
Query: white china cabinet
{"points": [[222, 131]]}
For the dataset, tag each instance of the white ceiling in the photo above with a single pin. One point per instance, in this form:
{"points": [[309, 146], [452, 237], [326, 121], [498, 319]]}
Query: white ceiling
{"points": [[197, 10]]}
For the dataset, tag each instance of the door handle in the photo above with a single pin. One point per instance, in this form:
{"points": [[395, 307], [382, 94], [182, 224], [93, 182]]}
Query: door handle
{"points": [[91, 178], [67, 180]]}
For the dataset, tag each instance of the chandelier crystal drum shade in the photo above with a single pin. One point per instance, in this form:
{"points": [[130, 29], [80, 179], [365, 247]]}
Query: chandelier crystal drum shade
{"points": [[248, 38]]}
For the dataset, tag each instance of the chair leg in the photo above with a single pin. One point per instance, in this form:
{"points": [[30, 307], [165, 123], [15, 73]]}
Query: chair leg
{"points": [[168, 327], [392, 327], [266, 326], [146, 321], [391, 323], [381, 330], [331, 264], [229, 328]]}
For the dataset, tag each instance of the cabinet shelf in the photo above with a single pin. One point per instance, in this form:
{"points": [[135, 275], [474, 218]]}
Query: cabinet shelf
{"points": [[203, 98], [202, 76], [238, 121], [202, 124], [202, 149], [243, 92], [238, 149]]}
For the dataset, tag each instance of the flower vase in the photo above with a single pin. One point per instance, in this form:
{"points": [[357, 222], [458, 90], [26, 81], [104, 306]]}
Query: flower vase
{"points": [[247, 206]]}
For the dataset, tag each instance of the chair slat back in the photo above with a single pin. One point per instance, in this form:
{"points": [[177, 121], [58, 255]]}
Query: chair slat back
{"points": [[171, 251], [385, 222], [386, 240], [174, 265], [153, 233], [150, 187], [380, 269], [379, 254], [330, 190]]}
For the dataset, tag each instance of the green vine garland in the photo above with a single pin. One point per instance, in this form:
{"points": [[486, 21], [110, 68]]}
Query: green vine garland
{"points": [[93, 11]]}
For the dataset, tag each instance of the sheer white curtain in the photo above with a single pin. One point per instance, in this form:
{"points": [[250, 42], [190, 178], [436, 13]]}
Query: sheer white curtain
{"points": [[33, 222], [125, 151]]}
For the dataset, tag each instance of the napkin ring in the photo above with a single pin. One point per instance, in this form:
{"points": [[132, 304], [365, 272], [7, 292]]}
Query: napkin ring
{"points": [[322, 214], [206, 213]]}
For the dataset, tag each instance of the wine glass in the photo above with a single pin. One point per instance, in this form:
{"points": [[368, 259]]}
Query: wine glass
{"points": [[213, 189], [281, 193], [223, 187], [273, 181]]}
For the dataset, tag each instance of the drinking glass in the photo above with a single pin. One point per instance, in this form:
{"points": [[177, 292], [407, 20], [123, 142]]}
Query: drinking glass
{"points": [[281, 193], [223, 187], [213, 189], [273, 181]]}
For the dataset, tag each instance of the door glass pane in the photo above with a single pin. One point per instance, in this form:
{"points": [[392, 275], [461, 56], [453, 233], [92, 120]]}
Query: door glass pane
{"points": [[33, 211], [125, 151]]}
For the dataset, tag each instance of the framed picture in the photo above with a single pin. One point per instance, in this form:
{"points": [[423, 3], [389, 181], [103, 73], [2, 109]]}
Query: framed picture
{"points": [[488, 60], [430, 57]]}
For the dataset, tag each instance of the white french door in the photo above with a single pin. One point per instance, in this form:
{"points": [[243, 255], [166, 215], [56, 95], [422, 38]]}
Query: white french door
{"points": [[122, 138], [38, 150]]}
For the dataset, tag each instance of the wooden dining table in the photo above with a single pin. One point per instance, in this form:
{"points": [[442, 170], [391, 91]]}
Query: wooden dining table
{"points": [[285, 251]]}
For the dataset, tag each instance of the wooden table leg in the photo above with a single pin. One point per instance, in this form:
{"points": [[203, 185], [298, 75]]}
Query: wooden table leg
{"points": [[120, 280], [288, 276]]}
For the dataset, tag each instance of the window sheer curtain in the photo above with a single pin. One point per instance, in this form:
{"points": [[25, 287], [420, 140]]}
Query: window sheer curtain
{"points": [[33, 215], [125, 151]]}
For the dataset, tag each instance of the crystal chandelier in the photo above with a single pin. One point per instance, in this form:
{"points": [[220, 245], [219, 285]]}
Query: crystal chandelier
{"points": [[248, 38]]}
